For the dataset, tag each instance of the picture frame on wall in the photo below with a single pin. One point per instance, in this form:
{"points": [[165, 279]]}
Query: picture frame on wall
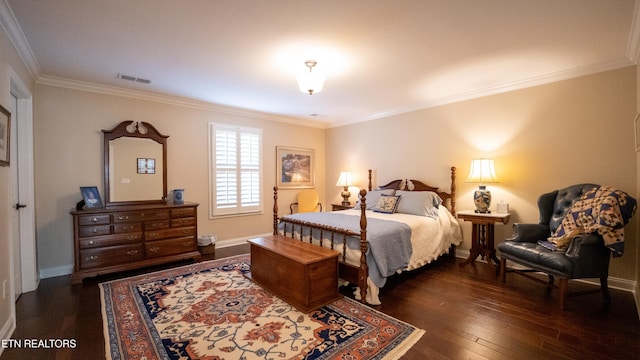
{"points": [[91, 197], [5, 136], [295, 167], [146, 166]]}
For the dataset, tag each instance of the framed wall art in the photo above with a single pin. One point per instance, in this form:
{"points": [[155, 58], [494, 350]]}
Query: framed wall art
{"points": [[146, 166], [295, 168], [5, 136]]}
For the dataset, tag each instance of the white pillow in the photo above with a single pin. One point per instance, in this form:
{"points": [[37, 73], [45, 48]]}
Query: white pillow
{"points": [[422, 203]]}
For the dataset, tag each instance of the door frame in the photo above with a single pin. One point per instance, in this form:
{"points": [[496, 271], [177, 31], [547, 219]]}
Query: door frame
{"points": [[26, 190]]}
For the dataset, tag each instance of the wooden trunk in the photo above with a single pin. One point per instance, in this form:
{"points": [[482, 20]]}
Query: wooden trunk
{"points": [[303, 275]]}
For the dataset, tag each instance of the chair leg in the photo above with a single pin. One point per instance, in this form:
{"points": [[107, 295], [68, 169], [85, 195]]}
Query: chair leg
{"points": [[563, 292], [503, 269], [605, 289]]}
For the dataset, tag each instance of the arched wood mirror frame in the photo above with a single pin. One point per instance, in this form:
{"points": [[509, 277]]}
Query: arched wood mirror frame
{"points": [[134, 129]]}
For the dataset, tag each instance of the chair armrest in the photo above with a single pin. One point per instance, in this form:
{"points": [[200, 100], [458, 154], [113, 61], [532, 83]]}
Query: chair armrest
{"points": [[584, 242], [529, 232]]}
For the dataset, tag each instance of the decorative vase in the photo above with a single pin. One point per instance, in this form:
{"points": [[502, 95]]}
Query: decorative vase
{"points": [[482, 199]]}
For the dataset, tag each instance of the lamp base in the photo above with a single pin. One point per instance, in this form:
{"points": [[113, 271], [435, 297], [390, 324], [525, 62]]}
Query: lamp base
{"points": [[482, 199], [345, 196]]}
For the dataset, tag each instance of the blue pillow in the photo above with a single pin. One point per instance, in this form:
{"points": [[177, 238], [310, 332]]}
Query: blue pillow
{"points": [[421, 203], [387, 204]]}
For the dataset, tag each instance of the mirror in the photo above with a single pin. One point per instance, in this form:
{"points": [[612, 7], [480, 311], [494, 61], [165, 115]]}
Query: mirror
{"points": [[135, 164]]}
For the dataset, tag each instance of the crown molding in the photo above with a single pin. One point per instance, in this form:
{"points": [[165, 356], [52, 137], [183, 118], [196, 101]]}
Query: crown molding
{"points": [[498, 89], [16, 36], [633, 45], [170, 100]]}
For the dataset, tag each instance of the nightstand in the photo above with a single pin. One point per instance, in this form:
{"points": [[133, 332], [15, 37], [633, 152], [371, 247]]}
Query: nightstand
{"points": [[482, 234], [336, 207]]}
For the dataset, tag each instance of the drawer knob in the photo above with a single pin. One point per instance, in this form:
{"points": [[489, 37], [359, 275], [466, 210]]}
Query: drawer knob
{"points": [[154, 249], [95, 230], [123, 217], [90, 242], [186, 244], [94, 219], [92, 258], [132, 252]]}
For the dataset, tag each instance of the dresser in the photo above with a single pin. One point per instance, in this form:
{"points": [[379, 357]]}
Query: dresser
{"points": [[128, 237]]}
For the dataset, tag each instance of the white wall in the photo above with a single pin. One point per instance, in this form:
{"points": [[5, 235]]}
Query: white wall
{"points": [[69, 154], [542, 138]]}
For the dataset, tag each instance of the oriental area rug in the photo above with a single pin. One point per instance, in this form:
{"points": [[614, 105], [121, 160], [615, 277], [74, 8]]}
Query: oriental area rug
{"points": [[209, 310]]}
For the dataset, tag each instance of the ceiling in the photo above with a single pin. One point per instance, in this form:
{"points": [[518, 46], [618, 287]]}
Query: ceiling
{"points": [[381, 57]]}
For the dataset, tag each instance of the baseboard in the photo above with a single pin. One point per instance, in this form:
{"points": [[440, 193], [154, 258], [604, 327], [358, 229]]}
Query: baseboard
{"points": [[237, 241], [56, 271], [7, 329]]}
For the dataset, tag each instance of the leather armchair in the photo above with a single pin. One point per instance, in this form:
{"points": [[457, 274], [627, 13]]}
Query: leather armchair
{"points": [[586, 256]]}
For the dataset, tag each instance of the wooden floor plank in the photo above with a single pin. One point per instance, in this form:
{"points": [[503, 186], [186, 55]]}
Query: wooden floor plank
{"points": [[467, 313]]}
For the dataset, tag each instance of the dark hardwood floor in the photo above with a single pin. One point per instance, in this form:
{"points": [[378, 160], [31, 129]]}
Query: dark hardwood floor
{"points": [[467, 313]]}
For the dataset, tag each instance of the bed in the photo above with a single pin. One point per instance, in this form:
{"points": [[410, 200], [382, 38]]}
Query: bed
{"points": [[381, 235]]}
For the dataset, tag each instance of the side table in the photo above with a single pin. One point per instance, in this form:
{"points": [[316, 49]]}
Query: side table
{"points": [[336, 207], [482, 242]]}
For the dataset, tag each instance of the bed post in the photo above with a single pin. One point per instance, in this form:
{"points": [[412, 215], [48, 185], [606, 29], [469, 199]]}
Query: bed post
{"points": [[453, 190], [363, 272], [275, 210], [370, 183]]}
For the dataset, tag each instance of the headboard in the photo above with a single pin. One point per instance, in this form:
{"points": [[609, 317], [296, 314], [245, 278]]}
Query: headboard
{"points": [[417, 185]]}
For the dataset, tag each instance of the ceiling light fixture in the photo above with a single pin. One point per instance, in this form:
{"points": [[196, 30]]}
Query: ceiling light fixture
{"points": [[310, 82]]}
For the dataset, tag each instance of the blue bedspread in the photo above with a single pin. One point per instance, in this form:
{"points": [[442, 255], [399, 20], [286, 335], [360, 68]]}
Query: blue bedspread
{"points": [[389, 241]]}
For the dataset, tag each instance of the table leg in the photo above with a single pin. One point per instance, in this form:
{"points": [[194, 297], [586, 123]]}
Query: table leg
{"points": [[476, 247]]}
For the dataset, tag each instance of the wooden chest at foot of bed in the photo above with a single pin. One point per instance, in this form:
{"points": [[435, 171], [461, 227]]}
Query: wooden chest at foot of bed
{"points": [[303, 275]]}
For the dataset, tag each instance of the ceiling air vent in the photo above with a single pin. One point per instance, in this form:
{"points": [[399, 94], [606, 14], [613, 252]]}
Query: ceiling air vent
{"points": [[133, 78]]}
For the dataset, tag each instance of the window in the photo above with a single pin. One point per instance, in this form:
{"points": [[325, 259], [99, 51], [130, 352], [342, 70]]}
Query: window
{"points": [[235, 168]]}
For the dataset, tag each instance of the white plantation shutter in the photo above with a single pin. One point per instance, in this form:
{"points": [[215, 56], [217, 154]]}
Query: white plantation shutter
{"points": [[236, 169]]}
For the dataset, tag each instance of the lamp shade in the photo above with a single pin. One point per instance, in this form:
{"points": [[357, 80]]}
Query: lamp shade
{"points": [[482, 171], [310, 82], [345, 179]]}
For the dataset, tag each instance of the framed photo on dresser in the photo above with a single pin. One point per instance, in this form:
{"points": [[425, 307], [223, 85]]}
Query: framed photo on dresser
{"points": [[91, 197]]}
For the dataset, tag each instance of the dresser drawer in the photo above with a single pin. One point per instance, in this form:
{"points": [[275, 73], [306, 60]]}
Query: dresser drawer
{"points": [[94, 219], [86, 231], [126, 227], [181, 222], [140, 215], [169, 247], [113, 255], [169, 233], [184, 212], [156, 225], [110, 240]]}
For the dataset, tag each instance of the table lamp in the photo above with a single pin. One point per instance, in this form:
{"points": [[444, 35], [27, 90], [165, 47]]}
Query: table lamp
{"points": [[482, 172], [345, 180]]}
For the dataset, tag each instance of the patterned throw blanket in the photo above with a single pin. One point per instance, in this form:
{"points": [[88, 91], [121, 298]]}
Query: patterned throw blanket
{"points": [[604, 210]]}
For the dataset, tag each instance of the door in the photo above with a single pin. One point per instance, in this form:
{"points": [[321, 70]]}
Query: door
{"points": [[22, 189], [14, 198]]}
